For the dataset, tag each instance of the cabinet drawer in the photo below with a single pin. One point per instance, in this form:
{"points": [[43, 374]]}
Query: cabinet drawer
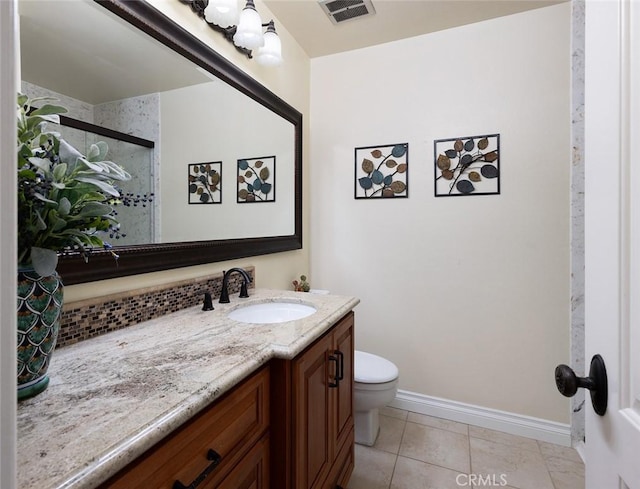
{"points": [[230, 427], [251, 473]]}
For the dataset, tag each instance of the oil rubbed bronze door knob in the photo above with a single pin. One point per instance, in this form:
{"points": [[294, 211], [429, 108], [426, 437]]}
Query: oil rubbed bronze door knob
{"points": [[568, 383]]}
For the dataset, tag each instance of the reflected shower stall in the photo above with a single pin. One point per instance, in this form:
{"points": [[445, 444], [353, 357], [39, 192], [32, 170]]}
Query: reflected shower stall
{"points": [[136, 156]]}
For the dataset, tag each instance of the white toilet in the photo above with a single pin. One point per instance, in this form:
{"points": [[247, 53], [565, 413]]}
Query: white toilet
{"points": [[376, 384]]}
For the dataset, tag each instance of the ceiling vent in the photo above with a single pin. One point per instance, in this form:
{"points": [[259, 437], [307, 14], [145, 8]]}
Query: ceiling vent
{"points": [[342, 10]]}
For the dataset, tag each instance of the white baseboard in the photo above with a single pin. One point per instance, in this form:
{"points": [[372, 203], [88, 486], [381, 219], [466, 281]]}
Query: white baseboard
{"points": [[515, 424], [580, 447]]}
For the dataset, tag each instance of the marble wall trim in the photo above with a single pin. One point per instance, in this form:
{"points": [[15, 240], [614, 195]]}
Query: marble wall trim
{"points": [[92, 317], [577, 213]]}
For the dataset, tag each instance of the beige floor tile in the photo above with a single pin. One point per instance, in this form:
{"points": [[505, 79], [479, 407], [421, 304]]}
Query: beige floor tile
{"points": [[522, 468], [373, 469], [438, 447], [566, 474], [504, 438], [443, 424], [435, 453], [413, 474], [394, 412], [390, 435], [550, 450]]}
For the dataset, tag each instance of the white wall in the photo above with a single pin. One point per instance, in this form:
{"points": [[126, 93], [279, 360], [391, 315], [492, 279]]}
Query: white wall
{"points": [[469, 296]]}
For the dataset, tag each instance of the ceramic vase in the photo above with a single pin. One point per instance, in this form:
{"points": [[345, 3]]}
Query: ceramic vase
{"points": [[39, 308]]}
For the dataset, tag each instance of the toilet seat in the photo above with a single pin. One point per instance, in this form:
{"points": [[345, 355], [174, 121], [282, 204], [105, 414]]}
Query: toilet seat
{"points": [[372, 369], [379, 386]]}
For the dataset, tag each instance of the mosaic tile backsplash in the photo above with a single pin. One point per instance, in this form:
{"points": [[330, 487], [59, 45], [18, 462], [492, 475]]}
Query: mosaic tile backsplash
{"points": [[87, 319]]}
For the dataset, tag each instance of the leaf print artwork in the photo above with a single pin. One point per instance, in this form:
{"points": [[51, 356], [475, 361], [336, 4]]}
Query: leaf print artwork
{"points": [[256, 179], [205, 183], [382, 171], [467, 165]]}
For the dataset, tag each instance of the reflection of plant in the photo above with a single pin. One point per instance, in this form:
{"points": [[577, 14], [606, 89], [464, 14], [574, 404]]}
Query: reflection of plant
{"points": [[302, 286], [204, 181], [65, 199], [255, 177], [458, 162], [375, 179]]}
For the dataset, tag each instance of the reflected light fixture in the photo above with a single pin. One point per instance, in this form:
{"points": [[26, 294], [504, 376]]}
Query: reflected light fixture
{"points": [[244, 29]]}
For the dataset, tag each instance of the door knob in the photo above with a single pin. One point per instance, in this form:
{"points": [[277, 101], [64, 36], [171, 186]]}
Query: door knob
{"points": [[568, 382]]}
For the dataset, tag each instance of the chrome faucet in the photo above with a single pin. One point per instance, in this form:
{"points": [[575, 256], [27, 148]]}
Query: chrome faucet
{"points": [[246, 279]]}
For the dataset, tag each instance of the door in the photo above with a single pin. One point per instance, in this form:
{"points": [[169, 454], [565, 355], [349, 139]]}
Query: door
{"points": [[612, 237]]}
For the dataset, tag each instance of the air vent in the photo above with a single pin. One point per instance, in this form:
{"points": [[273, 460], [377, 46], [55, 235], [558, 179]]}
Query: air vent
{"points": [[341, 10]]}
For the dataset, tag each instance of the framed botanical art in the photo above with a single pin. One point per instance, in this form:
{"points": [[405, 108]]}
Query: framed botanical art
{"points": [[382, 171], [467, 165], [205, 183], [257, 179]]}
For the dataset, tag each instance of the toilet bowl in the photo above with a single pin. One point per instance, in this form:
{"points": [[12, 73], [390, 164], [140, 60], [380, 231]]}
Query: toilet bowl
{"points": [[376, 384]]}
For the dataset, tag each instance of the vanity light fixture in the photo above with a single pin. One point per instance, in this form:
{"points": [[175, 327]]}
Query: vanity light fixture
{"points": [[244, 29], [223, 13], [271, 53]]}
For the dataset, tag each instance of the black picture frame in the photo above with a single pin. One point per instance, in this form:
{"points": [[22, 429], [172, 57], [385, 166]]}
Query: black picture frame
{"points": [[468, 165]]}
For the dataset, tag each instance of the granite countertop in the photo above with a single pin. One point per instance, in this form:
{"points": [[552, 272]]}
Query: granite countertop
{"points": [[112, 397]]}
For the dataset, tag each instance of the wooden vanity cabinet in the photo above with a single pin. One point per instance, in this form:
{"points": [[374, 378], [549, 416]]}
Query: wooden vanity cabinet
{"points": [[287, 426], [225, 446], [319, 435]]}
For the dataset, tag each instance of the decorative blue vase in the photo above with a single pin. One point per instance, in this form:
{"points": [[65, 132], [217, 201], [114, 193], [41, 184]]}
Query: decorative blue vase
{"points": [[39, 306]]}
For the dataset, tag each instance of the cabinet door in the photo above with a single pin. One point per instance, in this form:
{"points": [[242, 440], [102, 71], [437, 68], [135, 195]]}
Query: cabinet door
{"points": [[313, 449], [343, 343]]}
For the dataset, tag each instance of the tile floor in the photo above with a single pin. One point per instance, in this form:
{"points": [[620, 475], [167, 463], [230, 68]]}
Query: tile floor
{"points": [[414, 451]]}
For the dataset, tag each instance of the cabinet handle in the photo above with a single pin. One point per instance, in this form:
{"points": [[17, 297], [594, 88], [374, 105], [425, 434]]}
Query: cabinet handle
{"points": [[341, 364], [215, 459], [333, 358]]}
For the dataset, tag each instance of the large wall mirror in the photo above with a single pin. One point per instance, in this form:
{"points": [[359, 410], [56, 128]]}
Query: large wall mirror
{"points": [[174, 114]]}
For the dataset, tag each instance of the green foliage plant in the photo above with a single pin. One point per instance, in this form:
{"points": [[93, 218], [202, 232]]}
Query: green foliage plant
{"points": [[65, 199]]}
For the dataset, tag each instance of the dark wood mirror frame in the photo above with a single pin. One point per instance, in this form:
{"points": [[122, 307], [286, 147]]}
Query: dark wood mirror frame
{"points": [[154, 257]]}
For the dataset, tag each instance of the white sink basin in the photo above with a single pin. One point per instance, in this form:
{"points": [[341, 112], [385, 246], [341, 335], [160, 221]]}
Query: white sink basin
{"points": [[271, 312]]}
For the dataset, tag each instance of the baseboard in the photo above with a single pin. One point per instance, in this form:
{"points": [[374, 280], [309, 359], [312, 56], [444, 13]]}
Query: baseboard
{"points": [[580, 448], [515, 424]]}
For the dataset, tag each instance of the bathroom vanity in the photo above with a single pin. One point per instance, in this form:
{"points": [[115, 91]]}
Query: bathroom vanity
{"points": [[194, 399]]}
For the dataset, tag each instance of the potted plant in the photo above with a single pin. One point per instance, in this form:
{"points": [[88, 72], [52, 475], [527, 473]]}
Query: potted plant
{"points": [[302, 285], [65, 203]]}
